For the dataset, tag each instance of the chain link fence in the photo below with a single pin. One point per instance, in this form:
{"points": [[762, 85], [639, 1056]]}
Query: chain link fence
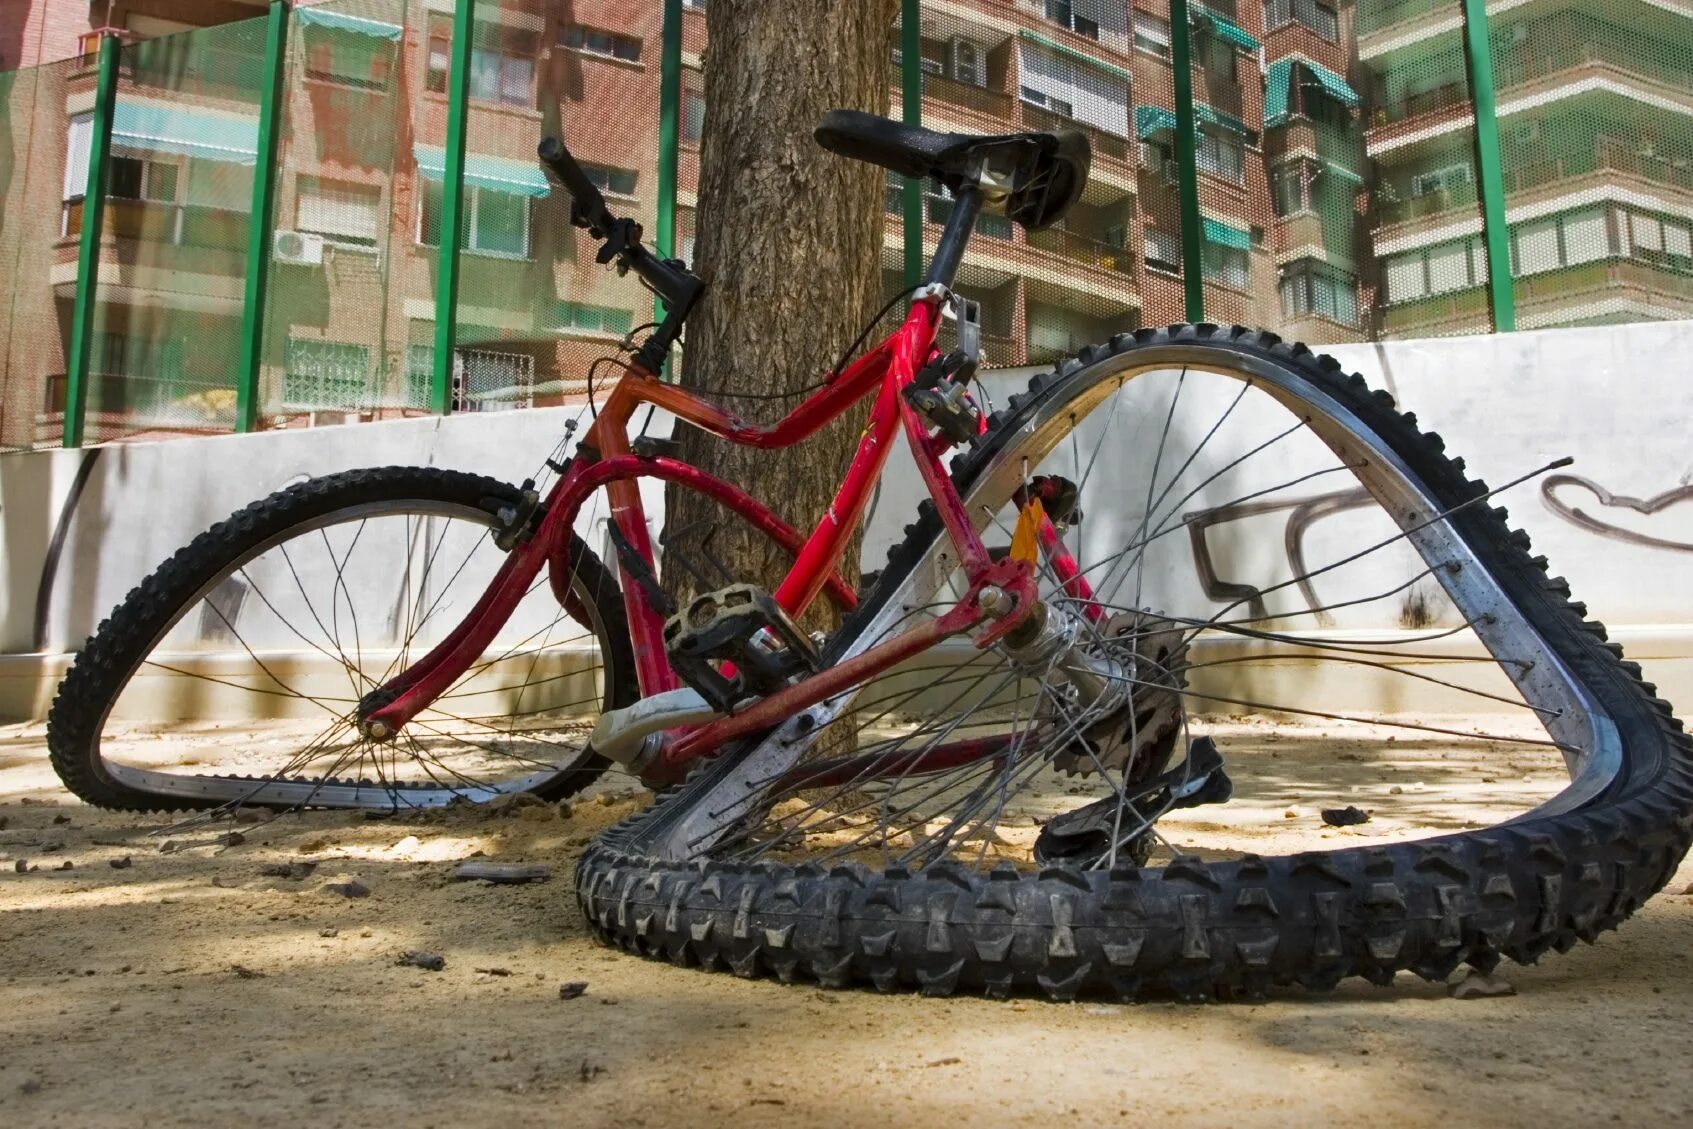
{"points": [[1361, 171]]}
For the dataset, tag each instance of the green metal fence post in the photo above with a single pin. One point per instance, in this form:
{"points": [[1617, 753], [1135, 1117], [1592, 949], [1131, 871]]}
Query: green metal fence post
{"points": [[452, 208], [263, 220], [1490, 178], [88, 254], [669, 135], [911, 98], [1187, 163]]}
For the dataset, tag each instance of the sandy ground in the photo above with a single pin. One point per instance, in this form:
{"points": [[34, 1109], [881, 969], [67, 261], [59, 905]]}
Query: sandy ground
{"points": [[190, 988]]}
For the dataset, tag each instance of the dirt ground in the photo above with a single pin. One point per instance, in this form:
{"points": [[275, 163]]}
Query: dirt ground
{"points": [[188, 987]]}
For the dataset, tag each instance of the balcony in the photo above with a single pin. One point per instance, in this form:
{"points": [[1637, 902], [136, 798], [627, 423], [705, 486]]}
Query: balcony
{"points": [[1548, 54], [1455, 93], [1560, 297], [1380, 16], [1456, 311], [1083, 249], [980, 99], [1391, 212], [1104, 144], [172, 225], [1610, 155]]}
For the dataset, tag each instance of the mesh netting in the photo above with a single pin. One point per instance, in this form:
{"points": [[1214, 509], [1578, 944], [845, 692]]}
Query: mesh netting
{"points": [[335, 342], [1042, 294], [1597, 152], [1336, 170], [535, 310], [168, 313]]}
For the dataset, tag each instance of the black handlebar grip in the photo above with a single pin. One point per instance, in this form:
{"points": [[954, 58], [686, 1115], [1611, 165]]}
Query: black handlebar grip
{"points": [[590, 205]]}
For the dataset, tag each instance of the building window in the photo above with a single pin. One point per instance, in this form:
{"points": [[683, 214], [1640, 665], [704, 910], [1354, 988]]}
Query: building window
{"points": [[132, 178], [1214, 56], [696, 5], [1073, 89], [1657, 238], [1226, 265], [1064, 14], [324, 375], [1458, 265], [619, 182], [345, 59], [485, 381], [693, 116], [502, 62], [348, 214], [586, 318], [1310, 98], [1287, 188], [497, 223], [1163, 250], [592, 41], [1309, 287], [1585, 235], [1317, 16], [1046, 101], [1152, 34], [1449, 179], [1220, 155]]}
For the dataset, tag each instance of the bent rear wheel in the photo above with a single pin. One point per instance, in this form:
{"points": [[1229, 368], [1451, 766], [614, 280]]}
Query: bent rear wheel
{"points": [[987, 832], [234, 673]]}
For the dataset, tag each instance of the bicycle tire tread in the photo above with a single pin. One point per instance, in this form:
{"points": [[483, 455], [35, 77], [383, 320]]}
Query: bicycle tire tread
{"points": [[1197, 930]]}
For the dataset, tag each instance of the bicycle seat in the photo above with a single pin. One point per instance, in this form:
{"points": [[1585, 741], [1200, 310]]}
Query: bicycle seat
{"points": [[1046, 171]]}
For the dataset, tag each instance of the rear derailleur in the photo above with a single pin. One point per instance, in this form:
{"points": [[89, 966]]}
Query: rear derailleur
{"points": [[1125, 818]]}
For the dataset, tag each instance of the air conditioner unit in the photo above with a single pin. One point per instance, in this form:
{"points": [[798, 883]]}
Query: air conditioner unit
{"points": [[298, 248], [1172, 172]]}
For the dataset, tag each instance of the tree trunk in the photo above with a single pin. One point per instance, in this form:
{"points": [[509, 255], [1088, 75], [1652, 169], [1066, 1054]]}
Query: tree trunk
{"points": [[789, 244]]}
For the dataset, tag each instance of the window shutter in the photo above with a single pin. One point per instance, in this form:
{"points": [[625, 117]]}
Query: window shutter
{"points": [[78, 140]]}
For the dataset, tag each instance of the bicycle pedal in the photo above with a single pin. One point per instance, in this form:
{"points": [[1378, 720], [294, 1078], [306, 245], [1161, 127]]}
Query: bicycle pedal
{"points": [[743, 625]]}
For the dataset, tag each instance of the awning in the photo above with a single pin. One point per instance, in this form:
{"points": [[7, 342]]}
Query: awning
{"points": [[495, 173], [1333, 83], [1150, 120], [154, 128], [1342, 172], [1226, 30], [358, 25], [1223, 234], [1156, 119], [1206, 114], [1080, 56], [1277, 79]]}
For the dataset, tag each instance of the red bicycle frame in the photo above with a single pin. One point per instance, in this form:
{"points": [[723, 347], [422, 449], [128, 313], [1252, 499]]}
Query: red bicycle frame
{"points": [[605, 461]]}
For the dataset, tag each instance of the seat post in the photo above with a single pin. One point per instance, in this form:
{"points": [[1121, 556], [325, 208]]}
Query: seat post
{"points": [[967, 205]]}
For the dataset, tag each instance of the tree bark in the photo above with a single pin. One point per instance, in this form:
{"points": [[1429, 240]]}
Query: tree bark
{"points": [[789, 244]]}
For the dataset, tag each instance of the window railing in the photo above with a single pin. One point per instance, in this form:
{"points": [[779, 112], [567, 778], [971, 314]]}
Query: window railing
{"points": [[1455, 93], [1547, 52], [177, 225], [165, 400], [1084, 249], [1392, 210], [1039, 118], [1378, 16], [968, 95]]}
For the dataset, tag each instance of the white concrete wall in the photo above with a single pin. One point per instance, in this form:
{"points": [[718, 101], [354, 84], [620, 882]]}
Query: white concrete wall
{"points": [[1617, 399]]}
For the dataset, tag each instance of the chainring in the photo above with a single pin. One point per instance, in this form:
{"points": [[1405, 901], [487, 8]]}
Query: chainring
{"points": [[1139, 737]]}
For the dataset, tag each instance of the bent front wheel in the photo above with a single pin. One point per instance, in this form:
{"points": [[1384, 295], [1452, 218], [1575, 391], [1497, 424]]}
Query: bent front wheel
{"points": [[233, 674], [1307, 604]]}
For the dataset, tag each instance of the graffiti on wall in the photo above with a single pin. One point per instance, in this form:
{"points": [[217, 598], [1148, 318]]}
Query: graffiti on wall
{"points": [[1560, 491]]}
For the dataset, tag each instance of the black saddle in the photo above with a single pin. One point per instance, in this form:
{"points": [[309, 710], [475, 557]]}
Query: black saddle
{"points": [[1047, 171]]}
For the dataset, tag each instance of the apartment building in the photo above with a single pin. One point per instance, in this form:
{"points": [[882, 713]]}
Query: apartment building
{"points": [[1335, 172]]}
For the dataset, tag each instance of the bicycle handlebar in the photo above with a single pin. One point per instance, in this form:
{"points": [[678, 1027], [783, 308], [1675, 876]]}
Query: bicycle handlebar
{"points": [[669, 279], [589, 204]]}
